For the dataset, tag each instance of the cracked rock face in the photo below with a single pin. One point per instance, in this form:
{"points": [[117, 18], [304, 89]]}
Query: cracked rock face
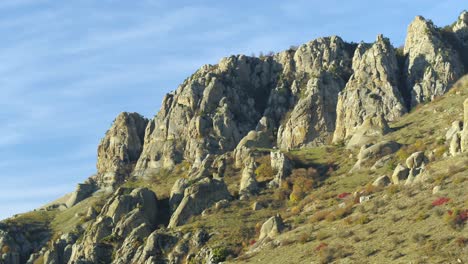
{"points": [[209, 113], [318, 72], [198, 197], [218, 105], [433, 65], [127, 216], [372, 89], [312, 119], [120, 149]]}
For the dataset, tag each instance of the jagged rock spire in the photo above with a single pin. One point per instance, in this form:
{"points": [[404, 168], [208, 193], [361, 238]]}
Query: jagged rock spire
{"points": [[433, 64], [120, 149], [372, 89]]}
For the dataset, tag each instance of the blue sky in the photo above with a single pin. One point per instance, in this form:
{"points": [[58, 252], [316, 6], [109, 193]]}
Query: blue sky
{"points": [[67, 68]]}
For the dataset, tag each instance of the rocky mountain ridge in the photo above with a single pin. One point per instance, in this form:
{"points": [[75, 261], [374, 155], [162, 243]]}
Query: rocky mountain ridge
{"points": [[213, 127]]}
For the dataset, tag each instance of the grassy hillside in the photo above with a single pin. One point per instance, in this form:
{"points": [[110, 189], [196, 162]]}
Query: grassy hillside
{"points": [[399, 224]]}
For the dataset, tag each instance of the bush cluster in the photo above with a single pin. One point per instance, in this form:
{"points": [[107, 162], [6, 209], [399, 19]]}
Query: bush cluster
{"points": [[456, 218]]}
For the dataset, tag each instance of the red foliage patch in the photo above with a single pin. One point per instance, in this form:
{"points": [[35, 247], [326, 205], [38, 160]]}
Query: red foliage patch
{"points": [[462, 216], [321, 246], [343, 195], [440, 201], [252, 242]]}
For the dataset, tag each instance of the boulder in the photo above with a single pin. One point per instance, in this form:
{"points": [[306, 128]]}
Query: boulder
{"points": [[416, 160], [455, 145], [257, 206], [373, 128], [456, 128], [122, 204], [413, 173], [253, 140], [363, 199], [400, 174], [198, 197], [381, 162], [203, 169], [382, 181], [271, 228], [221, 204], [376, 151]]}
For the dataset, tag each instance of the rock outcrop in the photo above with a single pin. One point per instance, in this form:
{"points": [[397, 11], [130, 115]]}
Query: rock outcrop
{"points": [[214, 109], [61, 250], [382, 181], [464, 133], [18, 242], [400, 174], [456, 128], [372, 89], [209, 113], [254, 139], [177, 193], [416, 160], [316, 74], [127, 215], [461, 29], [433, 65], [198, 197], [370, 131], [271, 228], [375, 151], [312, 120], [83, 191], [280, 164], [248, 184], [120, 149], [413, 171]]}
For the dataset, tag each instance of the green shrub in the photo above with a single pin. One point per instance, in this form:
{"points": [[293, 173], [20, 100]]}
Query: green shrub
{"points": [[264, 171], [220, 254]]}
